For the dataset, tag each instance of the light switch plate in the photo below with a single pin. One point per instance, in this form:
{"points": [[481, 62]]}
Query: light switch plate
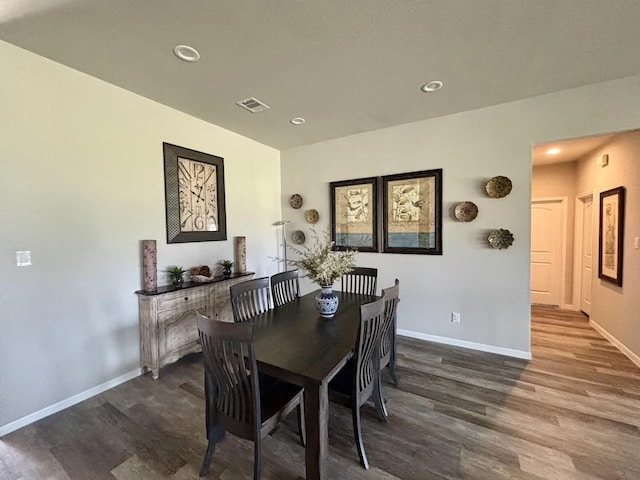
{"points": [[23, 259]]}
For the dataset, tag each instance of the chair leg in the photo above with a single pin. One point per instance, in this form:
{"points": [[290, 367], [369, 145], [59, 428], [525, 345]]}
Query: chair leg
{"points": [[392, 361], [302, 429], [357, 434], [392, 372], [257, 458], [206, 463], [378, 401]]}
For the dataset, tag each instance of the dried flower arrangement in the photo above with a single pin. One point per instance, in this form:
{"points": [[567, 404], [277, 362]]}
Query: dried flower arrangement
{"points": [[321, 264]]}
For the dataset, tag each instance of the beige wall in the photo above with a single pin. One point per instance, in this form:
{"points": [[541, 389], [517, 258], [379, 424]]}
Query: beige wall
{"points": [[559, 180], [616, 309], [81, 185], [490, 288]]}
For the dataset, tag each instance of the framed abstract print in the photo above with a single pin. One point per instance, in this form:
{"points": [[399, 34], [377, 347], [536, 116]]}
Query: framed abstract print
{"points": [[194, 195], [611, 235], [354, 214], [412, 212]]}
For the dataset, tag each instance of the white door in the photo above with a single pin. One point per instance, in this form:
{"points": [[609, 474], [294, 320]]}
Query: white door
{"points": [[547, 232], [587, 254]]}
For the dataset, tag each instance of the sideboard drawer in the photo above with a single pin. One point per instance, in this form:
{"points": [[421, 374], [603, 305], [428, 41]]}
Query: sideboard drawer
{"points": [[183, 299]]}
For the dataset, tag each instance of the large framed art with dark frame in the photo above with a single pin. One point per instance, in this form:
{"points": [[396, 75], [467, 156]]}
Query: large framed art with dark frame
{"points": [[194, 195], [412, 212], [611, 235], [354, 214]]}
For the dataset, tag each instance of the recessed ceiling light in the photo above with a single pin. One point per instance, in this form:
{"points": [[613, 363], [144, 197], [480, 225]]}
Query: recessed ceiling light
{"points": [[553, 151], [432, 86], [186, 53], [297, 121]]}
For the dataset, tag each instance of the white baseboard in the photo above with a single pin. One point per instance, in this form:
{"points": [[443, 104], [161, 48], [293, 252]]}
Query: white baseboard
{"points": [[570, 306], [56, 407], [617, 343], [465, 344]]}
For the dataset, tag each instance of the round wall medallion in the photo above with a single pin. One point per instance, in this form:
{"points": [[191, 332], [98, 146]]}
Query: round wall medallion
{"points": [[498, 187], [295, 201], [500, 238], [298, 237], [466, 211], [312, 216]]}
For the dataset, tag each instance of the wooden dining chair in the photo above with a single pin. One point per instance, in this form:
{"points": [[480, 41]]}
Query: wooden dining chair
{"points": [[388, 337], [358, 381], [285, 287], [363, 280], [250, 298], [239, 399]]}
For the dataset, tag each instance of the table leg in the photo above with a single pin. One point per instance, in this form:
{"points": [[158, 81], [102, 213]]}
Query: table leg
{"points": [[316, 414]]}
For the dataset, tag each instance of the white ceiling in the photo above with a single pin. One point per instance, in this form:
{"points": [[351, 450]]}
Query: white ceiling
{"points": [[345, 66]]}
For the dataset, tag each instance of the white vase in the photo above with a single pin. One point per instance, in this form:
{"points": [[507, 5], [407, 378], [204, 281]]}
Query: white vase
{"points": [[327, 301]]}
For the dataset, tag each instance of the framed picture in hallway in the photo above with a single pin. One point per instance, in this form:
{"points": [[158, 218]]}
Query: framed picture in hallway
{"points": [[611, 235], [412, 212]]}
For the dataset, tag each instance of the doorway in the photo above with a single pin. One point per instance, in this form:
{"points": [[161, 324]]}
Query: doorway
{"points": [[584, 252], [548, 246]]}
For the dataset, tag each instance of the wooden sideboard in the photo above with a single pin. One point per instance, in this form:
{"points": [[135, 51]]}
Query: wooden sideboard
{"points": [[168, 329]]}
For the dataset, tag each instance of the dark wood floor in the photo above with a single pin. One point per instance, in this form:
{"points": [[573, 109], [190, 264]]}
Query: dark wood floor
{"points": [[572, 412]]}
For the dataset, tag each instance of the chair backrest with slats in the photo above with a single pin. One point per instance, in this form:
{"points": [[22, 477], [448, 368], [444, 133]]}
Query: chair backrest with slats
{"points": [[230, 363], [285, 287], [250, 298], [391, 298], [367, 349], [363, 280]]}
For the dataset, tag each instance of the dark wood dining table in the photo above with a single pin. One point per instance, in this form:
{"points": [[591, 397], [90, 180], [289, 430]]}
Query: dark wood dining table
{"points": [[295, 344]]}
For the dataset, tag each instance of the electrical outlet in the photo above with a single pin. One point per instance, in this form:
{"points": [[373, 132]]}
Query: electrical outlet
{"points": [[455, 317], [636, 243]]}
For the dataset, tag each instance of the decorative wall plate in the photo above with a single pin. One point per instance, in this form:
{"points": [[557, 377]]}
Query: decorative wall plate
{"points": [[312, 216], [295, 201], [498, 187], [298, 237], [500, 238], [466, 211]]}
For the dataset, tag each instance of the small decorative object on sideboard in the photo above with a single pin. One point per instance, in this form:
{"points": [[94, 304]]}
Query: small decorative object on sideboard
{"points": [[226, 267], [498, 187], [177, 275], [201, 274], [240, 250], [466, 211], [149, 265], [500, 238]]}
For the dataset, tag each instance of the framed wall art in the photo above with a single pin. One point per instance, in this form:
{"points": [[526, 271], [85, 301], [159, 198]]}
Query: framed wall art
{"points": [[412, 212], [354, 214], [611, 235], [194, 195]]}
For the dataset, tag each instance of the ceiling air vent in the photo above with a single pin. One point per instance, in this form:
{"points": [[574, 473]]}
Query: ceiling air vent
{"points": [[253, 105]]}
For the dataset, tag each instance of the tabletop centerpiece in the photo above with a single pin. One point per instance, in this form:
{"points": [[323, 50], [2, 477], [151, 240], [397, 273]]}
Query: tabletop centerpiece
{"points": [[324, 266]]}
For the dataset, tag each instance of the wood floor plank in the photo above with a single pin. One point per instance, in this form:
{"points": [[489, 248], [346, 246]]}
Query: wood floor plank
{"points": [[571, 413]]}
